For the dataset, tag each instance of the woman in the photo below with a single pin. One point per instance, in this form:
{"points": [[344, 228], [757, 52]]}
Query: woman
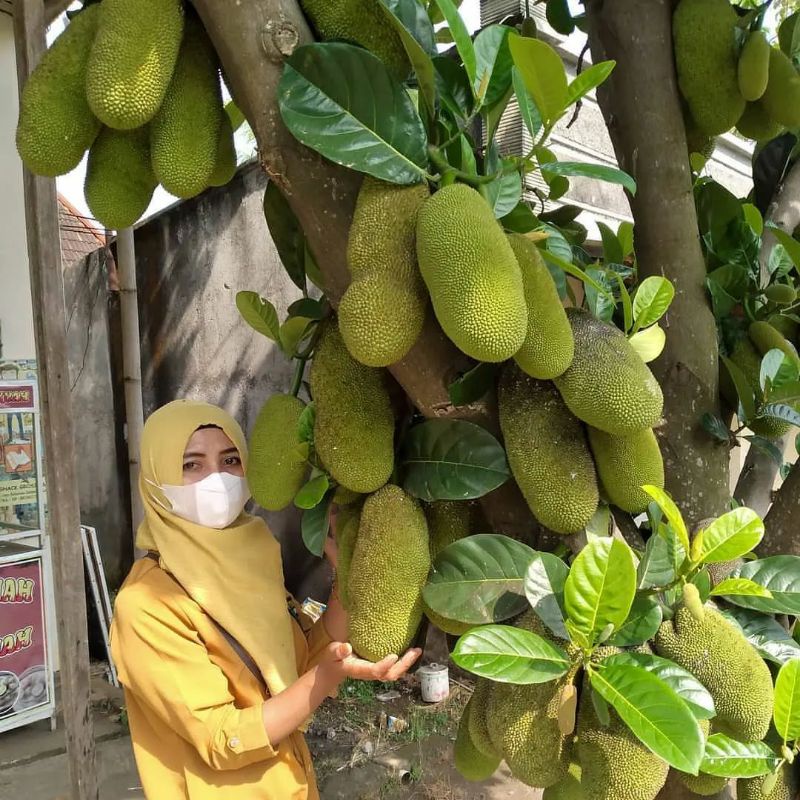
{"points": [[221, 669]]}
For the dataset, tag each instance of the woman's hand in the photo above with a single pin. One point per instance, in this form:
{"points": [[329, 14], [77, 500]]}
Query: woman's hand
{"points": [[340, 663]]}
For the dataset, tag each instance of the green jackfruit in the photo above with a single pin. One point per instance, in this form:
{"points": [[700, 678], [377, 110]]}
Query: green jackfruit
{"points": [[767, 338], [703, 34], [225, 165], [702, 783], [389, 568], [719, 656], [625, 464], [696, 140], [449, 521], [786, 32], [781, 294], [55, 125], [548, 452], [451, 626], [786, 787], [757, 125], [362, 22], [277, 466], [119, 181], [615, 765], [781, 100], [568, 788], [132, 59], [478, 721], [608, 385], [347, 523], [785, 325], [753, 68], [549, 346], [354, 426], [185, 131], [472, 274], [468, 760], [383, 310]]}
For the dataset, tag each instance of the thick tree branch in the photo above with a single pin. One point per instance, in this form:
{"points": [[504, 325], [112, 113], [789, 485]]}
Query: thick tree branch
{"points": [[754, 487], [641, 106], [781, 522]]}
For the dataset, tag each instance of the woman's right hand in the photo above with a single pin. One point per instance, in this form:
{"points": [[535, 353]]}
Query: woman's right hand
{"points": [[341, 663]]}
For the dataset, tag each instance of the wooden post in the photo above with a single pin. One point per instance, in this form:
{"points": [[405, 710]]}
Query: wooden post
{"points": [[47, 290]]}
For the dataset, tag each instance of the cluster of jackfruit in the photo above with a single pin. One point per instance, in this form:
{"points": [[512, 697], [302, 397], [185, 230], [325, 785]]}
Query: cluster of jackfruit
{"points": [[137, 84]]}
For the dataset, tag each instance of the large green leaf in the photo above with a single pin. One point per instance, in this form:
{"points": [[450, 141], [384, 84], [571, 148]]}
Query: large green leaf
{"points": [[509, 655], [777, 370], [311, 494], [479, 579], [780, 411], [659, 565], [600, 588], [259, 314], [612, 249], [503, 193], [448, 459], [741, 587], [589, 79], [472, 385], [649, 343], [543, 74], [766, 634], [779, 574], [544, 588], [643, 621], [671, 512], [653, 298], [460, 36], [730, 536], [744, 391], [527, 105], [286, 234], [598, 171], [791, 244], [315, 524], [559, 17], [494, 64], [731, 759], [341, 101], [654, 712], [416, 21], [787, 701], [453, 86]]}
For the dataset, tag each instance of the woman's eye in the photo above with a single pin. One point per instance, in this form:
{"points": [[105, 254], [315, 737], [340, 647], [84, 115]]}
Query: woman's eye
{"points": [[189, 465], [232, 460]]}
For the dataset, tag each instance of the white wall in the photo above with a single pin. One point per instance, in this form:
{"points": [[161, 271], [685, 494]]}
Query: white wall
{"points": [[16, 313]]}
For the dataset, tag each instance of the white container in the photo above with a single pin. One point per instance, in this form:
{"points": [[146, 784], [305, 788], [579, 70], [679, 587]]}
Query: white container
{"points": [[435, 682]]}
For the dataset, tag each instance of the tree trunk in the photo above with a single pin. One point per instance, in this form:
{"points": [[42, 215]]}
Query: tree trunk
{"points": [[641, 106], [754, 487], [781, 522]]}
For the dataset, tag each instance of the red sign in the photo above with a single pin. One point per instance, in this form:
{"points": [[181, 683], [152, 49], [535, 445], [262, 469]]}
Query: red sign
{"points": [[24, 682], [16, 397]]}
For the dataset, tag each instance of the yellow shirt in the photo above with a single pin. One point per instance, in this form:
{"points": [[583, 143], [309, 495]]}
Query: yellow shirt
{"points": [[193, 706]]}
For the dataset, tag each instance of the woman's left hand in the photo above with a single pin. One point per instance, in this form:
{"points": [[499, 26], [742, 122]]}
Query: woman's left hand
{"points": [[330, 548]]}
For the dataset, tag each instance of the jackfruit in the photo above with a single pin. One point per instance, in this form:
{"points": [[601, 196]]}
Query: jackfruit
{"points": [[568, 788], [615, 765], [362, 22], [548, 347], [702, 783], [449, 521], [608, 385], [757, 125], [781, 294], [344, 497], [347, 522], [548, 452], [696, 140], [472, 274], [781, 100], [132, 59], [55, 125], [185, 131], [719, 656], [383, 310], [277, 467], [704, 39], [753, 68], [767, 338], [785, 325], [468, 760], [225, 164], [452, 626], [389, 568], [625, 464], [786, 32], [478, 722], [786, 787], [354, 426]]}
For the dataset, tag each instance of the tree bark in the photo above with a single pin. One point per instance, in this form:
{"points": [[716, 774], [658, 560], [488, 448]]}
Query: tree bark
{"points": [[754, 487], [784, 212], [781, 522], [641, 107]]}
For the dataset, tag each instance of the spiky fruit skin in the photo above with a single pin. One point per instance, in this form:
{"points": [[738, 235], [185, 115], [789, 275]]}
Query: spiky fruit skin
{"points": [[382, 312], [451, 626], [756, 124], [119, 181], [703, 34], [132, 59], [719, 656], [615, 765], [753, 68], [478, 721], [548, 347], [548, 452], [347, 523], [568, 788], [362, 22], [449, 521], [608, 386], [389, 568], [469, 761], [472, 274], [185, 131], [277, 467], [786, 787], [354, 426], [56, 125], [704, 785], [625, 464], [225, 165], [781, 100], [767, 338]]}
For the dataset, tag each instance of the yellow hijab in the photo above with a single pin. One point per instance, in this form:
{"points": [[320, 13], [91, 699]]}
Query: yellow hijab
{"points": [[234, 574]]}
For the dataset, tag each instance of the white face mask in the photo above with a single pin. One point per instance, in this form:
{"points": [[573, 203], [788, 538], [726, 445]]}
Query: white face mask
{"points": [[214, 502]]}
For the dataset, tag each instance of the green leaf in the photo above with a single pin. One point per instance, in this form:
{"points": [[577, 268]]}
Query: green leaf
{"points": [[787, 701], [702, 580], [544, 588], [259, 314], [472, 385], [520, 219], [559, 17], [654, 712], [625, 236], [449, 459], [739, 587], [543, 74], [791, 245], [315, 524], [460, 36], [649, 343], [493, 115], [479, 579], [308, 308], [779, 574], [753, 218], [716, 208], [293, 332], [643, 621], [234, 115], [494, 63], [682, 682], [787, 393], [286, 233], [598, 171], [716, 427], [527, 105], [341, 101], [777, 369], [731, 759], [312, 493], [730, 536], [600, 588], [657, 567], [305, 425], [653, 298], [509, 655], [766, 634], [612, 249], [780, 411], [627, 308], [588, 80], [453, 86], [744, 391], [671, 512], [312, 270], [767, 447], [576, 272], [602, 306], [412, 15], [503, 193], [600, 523]]}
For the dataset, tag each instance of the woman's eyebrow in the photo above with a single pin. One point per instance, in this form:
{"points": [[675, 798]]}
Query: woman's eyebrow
{"points": [[194, 455], [229, 451]]}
